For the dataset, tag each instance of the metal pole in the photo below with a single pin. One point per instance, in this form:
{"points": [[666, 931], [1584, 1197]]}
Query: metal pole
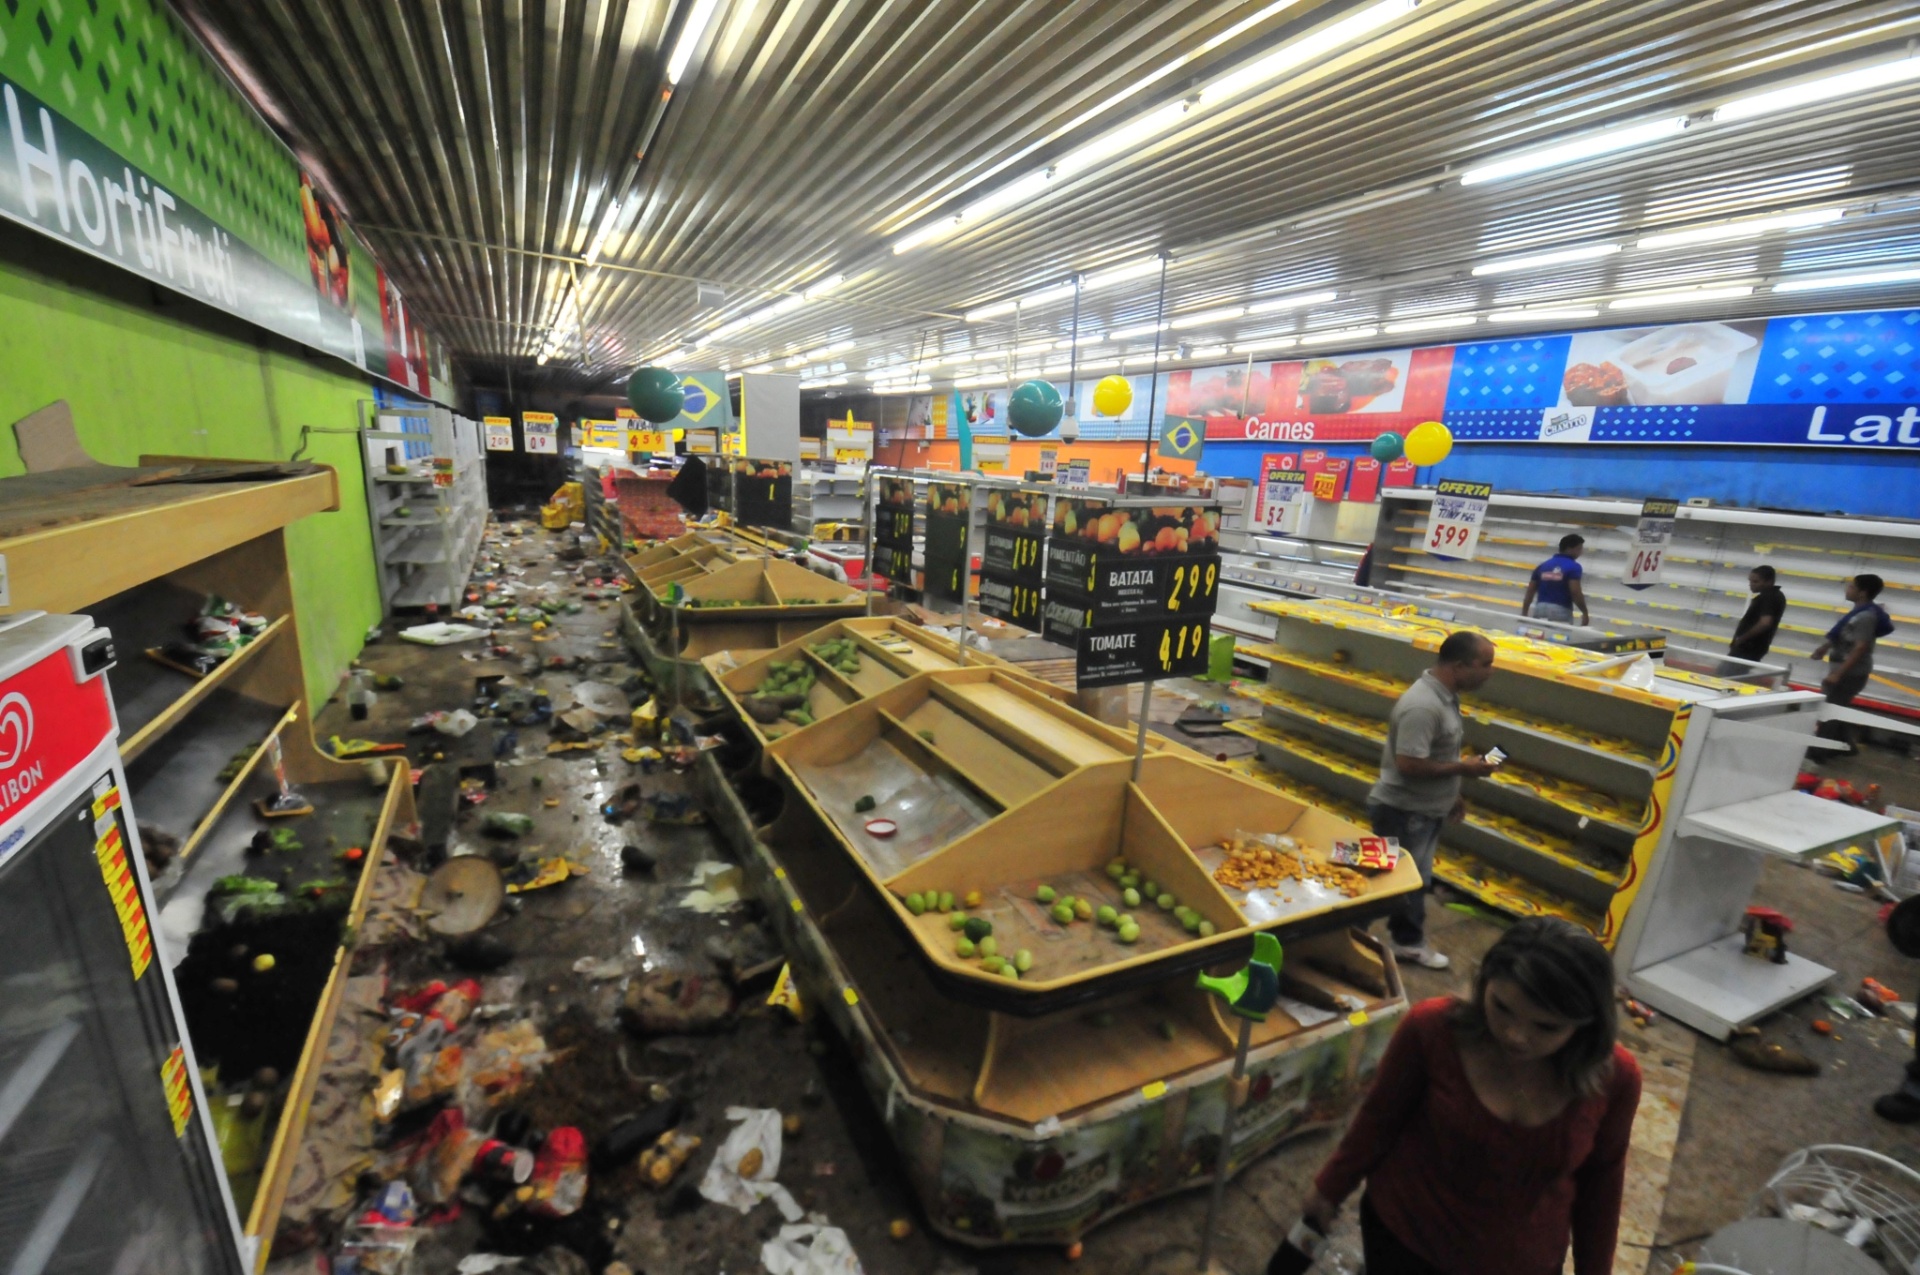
{"points": [[966, 570], [673, 611], [867, 517], [1226, 1141], [1153, 385], [1140, 743]]}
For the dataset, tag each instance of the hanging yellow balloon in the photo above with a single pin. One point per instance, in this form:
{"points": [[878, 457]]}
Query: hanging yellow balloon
{"points": [[1429, 444], [1112, 396]]}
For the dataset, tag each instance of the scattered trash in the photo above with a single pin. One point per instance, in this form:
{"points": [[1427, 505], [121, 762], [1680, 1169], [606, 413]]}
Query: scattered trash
{"points": [[662, 1161], [1761, 1055], [505, 823], [545, 872], [636, 860], [442, 634], [743, 1171], [807, 1249], [786, 995], [673, 1002], [601, 969], [454, 724], [717, 888], [480, 953]]}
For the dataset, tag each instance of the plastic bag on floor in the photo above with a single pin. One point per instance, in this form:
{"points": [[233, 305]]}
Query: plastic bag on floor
{"points": [[743, 1171], [441, 634], [810, 1250]]}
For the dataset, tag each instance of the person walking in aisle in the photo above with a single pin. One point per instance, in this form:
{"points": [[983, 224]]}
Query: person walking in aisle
{"points": [[1420, 772], [1553, 591], [1849, 647], [1497, 1128], [1753, 636]]}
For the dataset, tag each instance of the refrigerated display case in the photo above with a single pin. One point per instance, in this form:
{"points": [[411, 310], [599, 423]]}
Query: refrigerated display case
{"points": [[107, 1157]]}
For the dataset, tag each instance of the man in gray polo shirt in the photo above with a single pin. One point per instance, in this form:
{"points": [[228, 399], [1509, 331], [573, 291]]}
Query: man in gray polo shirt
{"points": [[1420, 772]]}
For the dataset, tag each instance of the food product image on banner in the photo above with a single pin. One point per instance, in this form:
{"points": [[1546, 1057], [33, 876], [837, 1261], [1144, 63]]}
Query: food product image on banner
{"points": [[996, 1188], [1335, 387], [1678, 364], [326, 246], [1017, 508], [1160, 529]]}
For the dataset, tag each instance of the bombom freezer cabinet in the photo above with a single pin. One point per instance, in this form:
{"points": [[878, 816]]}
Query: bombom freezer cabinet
{"points": [[106, 1155]]}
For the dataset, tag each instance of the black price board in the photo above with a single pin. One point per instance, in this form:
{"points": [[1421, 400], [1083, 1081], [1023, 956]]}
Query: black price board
{"points": [[1013, 554], [893, 514], [763, 493], [1145, 650], [895, 562], [1121, 587], [719, 484], [948, 514], [1009, 600]]}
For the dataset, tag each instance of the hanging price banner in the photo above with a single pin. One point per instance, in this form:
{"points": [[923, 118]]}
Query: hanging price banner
{"points": [[1650, 540], [541, 430], [949, 511], [499, 433], [1077, 472], [1453, 527], [1278, 493], [649, 440], [1138, 652]]}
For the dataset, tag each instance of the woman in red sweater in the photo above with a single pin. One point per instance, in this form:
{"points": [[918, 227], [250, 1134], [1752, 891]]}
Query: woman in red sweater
{"points": [[1496, 1131]]}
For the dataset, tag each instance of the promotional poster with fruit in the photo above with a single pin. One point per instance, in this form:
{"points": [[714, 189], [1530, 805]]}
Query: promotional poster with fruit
{"points": [[1128, 562], [948, 513], [1010, 560], [763, 493]]}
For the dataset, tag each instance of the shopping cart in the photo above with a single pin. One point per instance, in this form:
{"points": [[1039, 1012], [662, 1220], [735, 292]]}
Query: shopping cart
{"points": [[1827, 1210]]}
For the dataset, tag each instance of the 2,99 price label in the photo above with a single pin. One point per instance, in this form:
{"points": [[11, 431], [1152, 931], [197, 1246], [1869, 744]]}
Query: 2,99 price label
{"points": [[1459, 511]]}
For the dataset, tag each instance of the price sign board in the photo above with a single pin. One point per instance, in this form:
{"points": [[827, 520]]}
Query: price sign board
{"points": [[1010, 558], [1650, 540], [607, 434], [949, 510], [1077, 473], [499, 433], [1329, 480], [763, 493], [649, 440], [1459, 511], [1364, 487], [1279, 492], [893, 530], [1049, 461], [1112, 655], [541, 430]]}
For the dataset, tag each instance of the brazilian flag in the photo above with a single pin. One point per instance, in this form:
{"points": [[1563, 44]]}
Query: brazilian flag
{"points": [[1182, 437]]}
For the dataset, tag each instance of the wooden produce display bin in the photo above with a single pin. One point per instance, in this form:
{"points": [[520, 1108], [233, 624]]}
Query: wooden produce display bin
{"points": [[888, 651], [139, 550], [1036, 1129], [973, 784]]}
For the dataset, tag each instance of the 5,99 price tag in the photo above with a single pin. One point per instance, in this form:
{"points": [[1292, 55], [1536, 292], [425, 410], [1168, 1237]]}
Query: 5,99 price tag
{"points": [[1453, 527]]}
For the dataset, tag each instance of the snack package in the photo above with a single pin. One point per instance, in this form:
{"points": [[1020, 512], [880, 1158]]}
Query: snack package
{"points": [[1369, 854]]}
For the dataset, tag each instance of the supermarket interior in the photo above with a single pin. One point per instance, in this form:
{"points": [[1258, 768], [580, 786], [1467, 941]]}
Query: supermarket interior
{"points": [[961, 637]]}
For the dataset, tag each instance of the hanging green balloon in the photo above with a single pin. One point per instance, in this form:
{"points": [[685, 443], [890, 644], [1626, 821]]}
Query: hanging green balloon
{"points": [[1387, 448], [1035, 408], [656, 394]]}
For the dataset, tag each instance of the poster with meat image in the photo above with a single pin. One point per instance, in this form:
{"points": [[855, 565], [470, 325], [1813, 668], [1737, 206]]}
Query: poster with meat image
{"points": [[1677, 364], [1339, 398]]}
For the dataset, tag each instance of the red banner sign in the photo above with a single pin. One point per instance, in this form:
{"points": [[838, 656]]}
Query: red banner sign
{"points": [[48, 725]]}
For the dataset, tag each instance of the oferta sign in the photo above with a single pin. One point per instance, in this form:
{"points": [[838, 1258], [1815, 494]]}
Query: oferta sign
{"points": [[121, 138]]}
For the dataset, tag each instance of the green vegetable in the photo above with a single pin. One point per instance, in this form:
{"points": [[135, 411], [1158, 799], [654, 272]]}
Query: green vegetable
{"points": [[958, 921], [989, 946], [801, 717], [863, 805], [963, 947], [978, 928], [1106, 916], [1150, 890], [1130, 897], [916, 904], [243, 885], [1083, 909], [1206, 930], [1063, 913], [1023, 960], [1117, 869], [1131, 880], [993, 964], [1045, 894], [1166, 902], [925, 734], [1190, 923], [1010, 971], [1129, 934], [1125, 918], [946, 900]]}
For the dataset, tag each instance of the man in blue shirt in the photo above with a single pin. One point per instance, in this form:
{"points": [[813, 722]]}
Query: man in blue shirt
{"points": [[1554, 589]]}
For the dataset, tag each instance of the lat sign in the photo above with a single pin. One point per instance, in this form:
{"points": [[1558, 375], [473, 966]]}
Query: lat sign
{"points": [[1650, 540], [1459, 510]]}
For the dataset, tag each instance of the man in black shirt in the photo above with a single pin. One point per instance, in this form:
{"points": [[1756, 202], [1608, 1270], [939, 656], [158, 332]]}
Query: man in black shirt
{"points": [[1753, 636]]}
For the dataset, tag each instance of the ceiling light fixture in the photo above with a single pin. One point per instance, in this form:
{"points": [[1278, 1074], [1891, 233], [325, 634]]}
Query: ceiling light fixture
{"points": [[1207, 352], [1542, 315], [1657, 300], [1128, 136], [823, 384], [1432, 324], [1591, 146], [1858, 80], [600, 235], [904, 387], [1338, 334], [1181, 322], [1849, 279], [1142, 329], [1752, 228], [758, 369], [1269, 343], [1122, 274], [1037, 347], [690, 33], [1556, 257], [1299, 301], [1135, 360], [980, 314]]}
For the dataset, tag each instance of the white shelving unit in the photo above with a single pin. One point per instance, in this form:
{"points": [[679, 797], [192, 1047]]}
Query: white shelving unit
{"points": [[819, 497], [427, 521]]}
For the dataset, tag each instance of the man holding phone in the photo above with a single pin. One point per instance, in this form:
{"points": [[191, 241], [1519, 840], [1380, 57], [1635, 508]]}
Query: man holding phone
{"points": [[1420, 773]]}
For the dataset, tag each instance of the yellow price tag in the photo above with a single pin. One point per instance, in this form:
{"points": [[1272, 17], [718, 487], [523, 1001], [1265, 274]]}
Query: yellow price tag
{"points": [[648, 440], [1358, 1018], [796, 905], [850, 996], [1155, 1090]]}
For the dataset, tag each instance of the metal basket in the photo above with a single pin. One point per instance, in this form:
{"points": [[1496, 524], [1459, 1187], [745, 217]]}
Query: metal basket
{"points": [[1866, 1198]]}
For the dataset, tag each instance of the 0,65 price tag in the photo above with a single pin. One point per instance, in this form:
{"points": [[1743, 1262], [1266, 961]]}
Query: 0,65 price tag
{"points": [[1459, 511], [1650, 540]]}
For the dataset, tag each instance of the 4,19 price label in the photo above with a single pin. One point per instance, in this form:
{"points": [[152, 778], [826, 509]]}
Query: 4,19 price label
{"points": [[1459, 511], [1650, 540]]}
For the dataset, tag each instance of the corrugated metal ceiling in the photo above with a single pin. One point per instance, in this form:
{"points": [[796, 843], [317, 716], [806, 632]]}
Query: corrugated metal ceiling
{"points": [[479, 144]]}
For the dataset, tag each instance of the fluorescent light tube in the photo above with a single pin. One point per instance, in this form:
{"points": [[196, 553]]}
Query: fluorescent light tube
{"points": [[1657, 300], [1299, 301], [1060, 292], [1144, 329], [939, 228], [1120, 274], [1338, 334], [606, 228], [696, 24], [1201, 318], [1297, 52], [1588, 147], [1556, 257], [1432, 324], [1751, 228], [1542, 315], [1207, 352], [1270, 343], [1850, 279], [981, 314], [1859, 80], [821, 287]]}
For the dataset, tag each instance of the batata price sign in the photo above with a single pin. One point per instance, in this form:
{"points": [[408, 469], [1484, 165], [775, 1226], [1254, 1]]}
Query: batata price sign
{"points": [[1453, 526], [1650, 540]]}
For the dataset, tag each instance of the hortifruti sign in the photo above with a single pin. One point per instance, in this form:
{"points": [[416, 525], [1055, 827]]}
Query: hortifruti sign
{"points": [[122, 138]]}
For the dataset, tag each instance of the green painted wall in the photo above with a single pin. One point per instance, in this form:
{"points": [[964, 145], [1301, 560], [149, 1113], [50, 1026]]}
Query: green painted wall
{"points": [[150, 372]]}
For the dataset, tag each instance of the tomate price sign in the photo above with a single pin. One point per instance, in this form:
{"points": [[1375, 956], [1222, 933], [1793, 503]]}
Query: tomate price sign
{"points": [[1650, 540], [1453, 526]]}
